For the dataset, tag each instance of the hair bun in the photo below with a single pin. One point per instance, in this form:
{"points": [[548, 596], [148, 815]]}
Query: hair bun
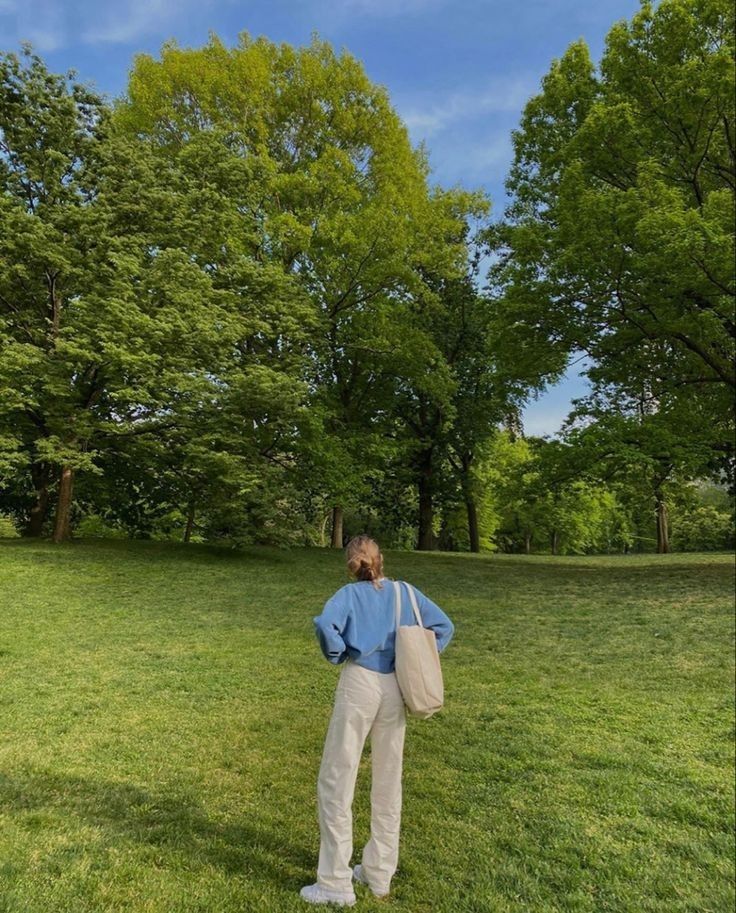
{"points": [[364, 558]]}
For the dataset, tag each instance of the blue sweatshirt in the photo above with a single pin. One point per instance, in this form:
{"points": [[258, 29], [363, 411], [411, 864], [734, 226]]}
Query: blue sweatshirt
{"points": [[359, 623]]}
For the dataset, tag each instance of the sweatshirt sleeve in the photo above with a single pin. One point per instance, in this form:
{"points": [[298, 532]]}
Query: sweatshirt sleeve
{"points": [[435, 619], [330, 626]]}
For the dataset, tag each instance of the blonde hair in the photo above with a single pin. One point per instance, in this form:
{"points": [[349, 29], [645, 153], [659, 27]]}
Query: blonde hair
{"points": [[364, 559]]}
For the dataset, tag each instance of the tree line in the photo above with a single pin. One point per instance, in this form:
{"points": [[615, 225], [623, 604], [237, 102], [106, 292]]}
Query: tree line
{"points": [[234, 306]]}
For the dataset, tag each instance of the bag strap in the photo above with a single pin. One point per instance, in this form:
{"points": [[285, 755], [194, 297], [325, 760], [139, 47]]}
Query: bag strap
{"points": [[413, 598]]}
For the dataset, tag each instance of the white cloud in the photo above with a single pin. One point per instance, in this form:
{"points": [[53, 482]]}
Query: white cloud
{"points": [[471, 162], [125, 22], [487, 154], [43, 39], [380, 8], [468, 130], [51, 24], [41, 22], [502, 94]]}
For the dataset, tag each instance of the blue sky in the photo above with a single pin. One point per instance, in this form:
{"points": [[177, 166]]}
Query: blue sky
{"points": [[459, 71]]}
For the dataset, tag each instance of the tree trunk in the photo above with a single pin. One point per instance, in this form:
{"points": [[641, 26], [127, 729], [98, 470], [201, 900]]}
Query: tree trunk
{"points": [[446, 541], [323, 528], [425, 541], [473, 533], [555, 541], [190, 522], [663, 539], [336, 527], [426, 521], [62, 525], [37, 514], [527, 543]]}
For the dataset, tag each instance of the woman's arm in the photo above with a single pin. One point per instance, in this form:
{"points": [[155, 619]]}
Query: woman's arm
{"points": [[435, 619], [330, 626]]}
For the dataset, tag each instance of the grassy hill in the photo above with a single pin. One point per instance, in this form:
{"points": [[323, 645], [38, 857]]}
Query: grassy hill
{"points": [[163, 710]]}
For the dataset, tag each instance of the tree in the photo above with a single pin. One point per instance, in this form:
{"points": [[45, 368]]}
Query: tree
{"points": [[123, 309], [619, 238], [342, 202], [451, 412], [545, 498], [649, 447], [487, 395]]}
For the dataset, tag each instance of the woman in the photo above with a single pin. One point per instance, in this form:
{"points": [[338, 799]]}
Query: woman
{"points": [[358, 628]]}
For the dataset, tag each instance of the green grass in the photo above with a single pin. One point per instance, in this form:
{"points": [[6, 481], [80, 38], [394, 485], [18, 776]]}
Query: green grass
{"points": [[163, 710]]}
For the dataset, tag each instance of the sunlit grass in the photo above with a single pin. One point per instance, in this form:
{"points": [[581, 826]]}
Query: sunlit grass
{"points": [[163, 709]]}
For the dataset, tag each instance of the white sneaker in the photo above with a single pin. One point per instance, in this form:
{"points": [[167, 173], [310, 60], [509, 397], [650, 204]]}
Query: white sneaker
{"points": [[359, 876], [315, 893]]}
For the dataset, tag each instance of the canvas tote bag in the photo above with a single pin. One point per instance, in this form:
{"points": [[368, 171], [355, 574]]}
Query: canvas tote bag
{"points": [[418, 670]]}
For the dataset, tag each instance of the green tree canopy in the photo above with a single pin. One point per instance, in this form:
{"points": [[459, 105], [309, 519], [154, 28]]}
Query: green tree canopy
{"points": [[619, 239], [338, 196], [115, 322]]}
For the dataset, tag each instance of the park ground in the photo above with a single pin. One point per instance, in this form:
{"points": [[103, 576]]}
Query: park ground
{"points": [[163, 709]]}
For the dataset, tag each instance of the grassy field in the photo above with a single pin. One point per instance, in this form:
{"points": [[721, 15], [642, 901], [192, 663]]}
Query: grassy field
{"points": [[163, 710]]}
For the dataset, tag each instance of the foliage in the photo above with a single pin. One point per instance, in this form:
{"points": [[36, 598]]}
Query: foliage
{"points": [[619, 238], [8, 529], [704, 528], [125, 310], [336, 195], [234, 308], [93, 526]]}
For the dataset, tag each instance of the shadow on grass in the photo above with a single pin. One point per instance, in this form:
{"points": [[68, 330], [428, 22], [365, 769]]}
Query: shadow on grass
{"points": [[128, 814], [148, 549]]}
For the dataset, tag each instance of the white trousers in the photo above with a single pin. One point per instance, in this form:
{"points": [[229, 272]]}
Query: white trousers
{"points": [[365, 702]]}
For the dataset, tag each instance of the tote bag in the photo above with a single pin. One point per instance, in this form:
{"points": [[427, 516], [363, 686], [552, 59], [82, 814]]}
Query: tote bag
{"points": [[418, 670]]}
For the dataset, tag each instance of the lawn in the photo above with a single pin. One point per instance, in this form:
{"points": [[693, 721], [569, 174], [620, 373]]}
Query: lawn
{"points": [[163, 709]]}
